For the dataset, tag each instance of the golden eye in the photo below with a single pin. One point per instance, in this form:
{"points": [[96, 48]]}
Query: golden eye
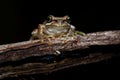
{"points": [[50, 18], [68, 20]]}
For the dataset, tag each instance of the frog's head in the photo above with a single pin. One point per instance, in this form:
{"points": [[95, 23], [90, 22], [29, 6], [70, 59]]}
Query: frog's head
{"points": [[59, 21]]}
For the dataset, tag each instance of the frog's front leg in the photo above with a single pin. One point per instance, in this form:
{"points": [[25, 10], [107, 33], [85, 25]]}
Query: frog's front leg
{"points": [[40, 30], [49, 39], [40, 34], [71, 31]]}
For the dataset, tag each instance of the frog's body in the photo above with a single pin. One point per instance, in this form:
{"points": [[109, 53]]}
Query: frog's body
{"points": [[56, 27]]}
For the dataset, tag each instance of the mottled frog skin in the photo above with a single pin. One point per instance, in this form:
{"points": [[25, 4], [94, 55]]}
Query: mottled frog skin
{"points": [[53, 28]]}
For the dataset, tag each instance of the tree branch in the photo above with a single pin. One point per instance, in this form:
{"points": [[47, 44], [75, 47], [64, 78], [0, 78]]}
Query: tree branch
{"points": [[15, 58]]}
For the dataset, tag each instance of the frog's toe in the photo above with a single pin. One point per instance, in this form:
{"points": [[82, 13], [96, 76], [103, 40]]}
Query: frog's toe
{"points": [[65, 41], [42, 41], [49, 41]]}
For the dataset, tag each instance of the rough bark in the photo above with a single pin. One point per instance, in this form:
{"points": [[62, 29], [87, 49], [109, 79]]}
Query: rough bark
{"points": [[21, 51]]}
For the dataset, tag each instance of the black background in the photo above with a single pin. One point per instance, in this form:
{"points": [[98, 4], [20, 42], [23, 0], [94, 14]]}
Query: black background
{"points": [[19, 18]]}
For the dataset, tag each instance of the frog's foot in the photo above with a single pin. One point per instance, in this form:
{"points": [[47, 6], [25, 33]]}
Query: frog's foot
{"points": [[42, 41], [65, 41], [79, 33], [68, 37], [49, 39], [64, 38]]}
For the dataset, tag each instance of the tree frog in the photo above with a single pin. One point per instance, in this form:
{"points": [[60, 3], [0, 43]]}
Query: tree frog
{"points": [[53, 28]]}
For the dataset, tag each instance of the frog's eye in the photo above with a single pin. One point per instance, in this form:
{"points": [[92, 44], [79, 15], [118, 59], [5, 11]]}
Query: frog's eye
{"points": [[50, 18], [68, 19]]}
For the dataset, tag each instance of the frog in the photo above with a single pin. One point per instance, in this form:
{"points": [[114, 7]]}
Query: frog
{"points": [[55, 27]]}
